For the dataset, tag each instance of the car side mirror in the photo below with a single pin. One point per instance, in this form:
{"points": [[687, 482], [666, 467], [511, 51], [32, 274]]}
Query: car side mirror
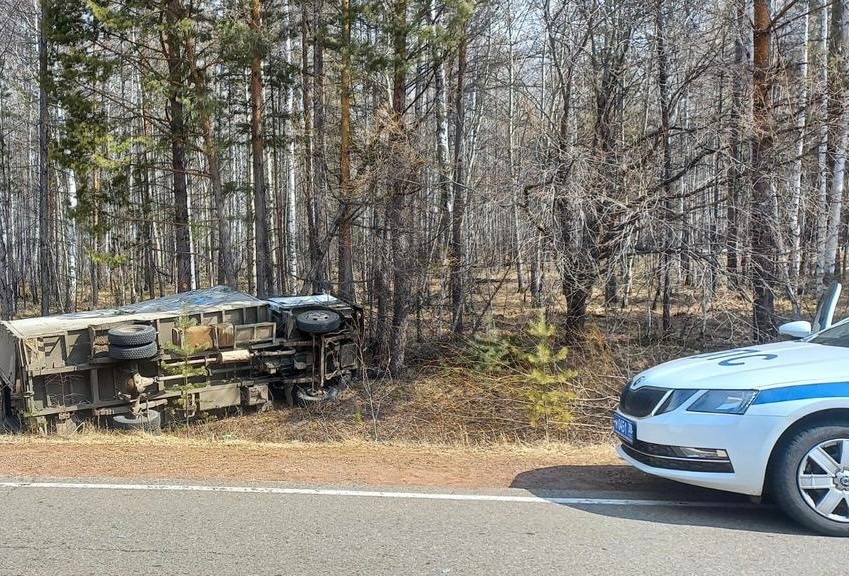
{"points": [[796, 330]]}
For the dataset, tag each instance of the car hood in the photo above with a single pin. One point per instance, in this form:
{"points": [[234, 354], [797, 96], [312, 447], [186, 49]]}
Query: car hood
{"points": [[752, 368]]}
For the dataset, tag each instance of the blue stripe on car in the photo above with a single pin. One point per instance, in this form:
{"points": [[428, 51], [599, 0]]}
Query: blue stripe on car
{"points": [[803, 392]]}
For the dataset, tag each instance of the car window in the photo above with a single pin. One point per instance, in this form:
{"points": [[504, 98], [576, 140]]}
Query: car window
{"points": [[824, 315], [837, 335]]}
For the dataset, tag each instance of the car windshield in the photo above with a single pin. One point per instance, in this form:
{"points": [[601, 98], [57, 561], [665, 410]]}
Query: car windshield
{"points": [[835, 336]]}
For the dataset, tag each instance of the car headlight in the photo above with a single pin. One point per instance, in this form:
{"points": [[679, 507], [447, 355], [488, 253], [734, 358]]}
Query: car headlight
{"points": [[724, 401], [675, 400]]}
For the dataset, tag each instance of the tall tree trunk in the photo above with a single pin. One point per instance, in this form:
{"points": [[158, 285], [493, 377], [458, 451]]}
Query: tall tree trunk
{"points": [[319, 162], [346, 233], [148, 227], [226, 263], [457, 256], [793, 211], [264, 263], [8, 296], [398, 217], [837, 122], [763, 226], [440, 98], [226, 256], [511, 154], [313, 238], [174, 14], [44, 229], [71, 234], [822, 151], [580, 214], [292, 257], [666, 172], [735, 167]]}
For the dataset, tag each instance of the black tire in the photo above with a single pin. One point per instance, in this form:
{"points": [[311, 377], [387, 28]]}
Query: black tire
{"points": [[149, 421], [307, 397], [131, 335], [785, 488], [133, 352], [318, 321]]}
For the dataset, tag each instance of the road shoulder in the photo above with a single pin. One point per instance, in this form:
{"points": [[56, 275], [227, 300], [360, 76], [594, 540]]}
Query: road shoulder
{"points": [[541, 467]]}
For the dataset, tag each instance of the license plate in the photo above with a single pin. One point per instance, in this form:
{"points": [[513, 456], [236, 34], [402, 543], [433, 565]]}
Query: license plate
{"points": [[624, 428]]}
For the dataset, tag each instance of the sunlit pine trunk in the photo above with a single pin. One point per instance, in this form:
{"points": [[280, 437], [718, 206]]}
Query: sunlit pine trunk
{"points": [[346, 232], [264, 263]]}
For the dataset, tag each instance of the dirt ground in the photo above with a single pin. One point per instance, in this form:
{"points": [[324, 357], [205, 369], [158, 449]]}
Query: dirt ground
{"points": [[554, 466]]}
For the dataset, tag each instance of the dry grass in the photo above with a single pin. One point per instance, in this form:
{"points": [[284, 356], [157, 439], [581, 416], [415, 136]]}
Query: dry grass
{"points": [[571, 452]]}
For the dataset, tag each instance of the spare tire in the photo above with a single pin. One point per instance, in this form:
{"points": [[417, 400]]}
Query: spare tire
{"points": [[133, 352], [147, 421], [318, 321], [132, 335], [308, 396]]}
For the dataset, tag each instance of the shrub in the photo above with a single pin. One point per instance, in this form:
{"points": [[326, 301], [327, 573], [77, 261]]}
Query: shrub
{"points": [[533, 368], [185, 368]]}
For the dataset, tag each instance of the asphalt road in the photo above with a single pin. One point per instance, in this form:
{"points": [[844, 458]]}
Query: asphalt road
{"points": [[95, 530]]}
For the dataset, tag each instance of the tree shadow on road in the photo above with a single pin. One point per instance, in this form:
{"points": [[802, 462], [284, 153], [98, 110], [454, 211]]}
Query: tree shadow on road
{"points": [[708, 508]]}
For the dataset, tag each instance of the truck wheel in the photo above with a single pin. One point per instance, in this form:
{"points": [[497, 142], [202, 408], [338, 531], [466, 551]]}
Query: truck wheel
{"points": [[310, 397], [810, 479], [132, 335], [148, 421], [318, 321], [133, 352]]}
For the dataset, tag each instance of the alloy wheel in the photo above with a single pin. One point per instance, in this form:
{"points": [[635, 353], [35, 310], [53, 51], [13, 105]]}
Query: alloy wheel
{"points": [[823, 479]]}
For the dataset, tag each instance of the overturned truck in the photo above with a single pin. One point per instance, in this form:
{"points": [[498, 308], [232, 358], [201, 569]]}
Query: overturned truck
{"points": [[177, 356]]}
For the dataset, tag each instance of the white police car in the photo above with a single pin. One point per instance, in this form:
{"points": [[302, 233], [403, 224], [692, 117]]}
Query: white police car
{"points": [[771, 418]]}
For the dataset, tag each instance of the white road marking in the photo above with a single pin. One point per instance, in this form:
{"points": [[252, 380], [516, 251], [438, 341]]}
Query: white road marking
{"points": [[374, 494]]}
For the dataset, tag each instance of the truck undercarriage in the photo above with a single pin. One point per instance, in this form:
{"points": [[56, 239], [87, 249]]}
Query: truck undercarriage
{"points": [[175, 356]]}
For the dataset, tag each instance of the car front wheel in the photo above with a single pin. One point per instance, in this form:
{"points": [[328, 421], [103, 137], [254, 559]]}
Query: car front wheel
{"points": [[810, 479]]}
